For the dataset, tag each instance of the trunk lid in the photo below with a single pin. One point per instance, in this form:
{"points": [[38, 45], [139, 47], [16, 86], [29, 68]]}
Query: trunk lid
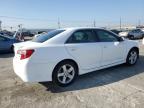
{"points": [[25, 45]]}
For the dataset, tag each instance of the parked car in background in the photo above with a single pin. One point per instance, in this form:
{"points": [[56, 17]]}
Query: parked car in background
{"points": [[29, 34], [61, 55], [136, 34], [41, 33], [6, 33], [6, 44], [124, 33], [143, 41], [116, 31]]}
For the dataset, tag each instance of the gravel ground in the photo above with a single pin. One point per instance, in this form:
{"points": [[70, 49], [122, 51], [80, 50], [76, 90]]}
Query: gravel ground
{"points": [[117, 87]]}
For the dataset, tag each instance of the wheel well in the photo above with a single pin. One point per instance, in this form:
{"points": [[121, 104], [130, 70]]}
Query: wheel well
{"points": [[70, 60], [130, 36], [12, 48], [135, 48]]}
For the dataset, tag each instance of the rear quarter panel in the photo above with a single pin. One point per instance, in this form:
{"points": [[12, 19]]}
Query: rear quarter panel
{"points": [[44, 60], [52, 53]]}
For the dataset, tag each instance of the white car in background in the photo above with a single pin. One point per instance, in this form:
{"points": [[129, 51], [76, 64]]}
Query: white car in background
{"points": [[37, 35], [61, 55], [124, 33]]}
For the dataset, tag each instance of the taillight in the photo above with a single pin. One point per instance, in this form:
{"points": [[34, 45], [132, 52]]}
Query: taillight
{"points": [[25, 53]]}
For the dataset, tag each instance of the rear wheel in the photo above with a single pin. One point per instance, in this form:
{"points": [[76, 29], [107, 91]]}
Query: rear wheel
{"points": [[131, 37], [132, 57], [65, 73]]}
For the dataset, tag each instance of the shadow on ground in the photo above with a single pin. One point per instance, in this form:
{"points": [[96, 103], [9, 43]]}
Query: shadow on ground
{"points": [[100, 78], [6, 55]]}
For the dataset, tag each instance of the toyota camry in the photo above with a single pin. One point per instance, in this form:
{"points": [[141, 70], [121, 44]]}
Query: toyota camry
{"points": [[63, 54]]}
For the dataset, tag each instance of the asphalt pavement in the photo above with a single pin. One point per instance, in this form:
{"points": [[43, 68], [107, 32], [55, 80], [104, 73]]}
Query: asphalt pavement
{"points": [[117, 87]]}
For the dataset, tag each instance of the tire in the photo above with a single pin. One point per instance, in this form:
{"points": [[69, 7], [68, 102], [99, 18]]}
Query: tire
{"points": [[132, 57], [65, 73], [12, 49], [131, 37], [143, 36]]}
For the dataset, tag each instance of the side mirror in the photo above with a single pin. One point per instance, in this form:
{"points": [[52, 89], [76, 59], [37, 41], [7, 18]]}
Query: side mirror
{"points": [[121, 39]]}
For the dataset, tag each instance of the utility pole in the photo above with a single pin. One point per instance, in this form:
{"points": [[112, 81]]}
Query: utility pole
{"points": [[20, 26], [139, 22], [0, 25], [59, 23], [94, 23], [20, 29], [120, 24], [11, 28]]}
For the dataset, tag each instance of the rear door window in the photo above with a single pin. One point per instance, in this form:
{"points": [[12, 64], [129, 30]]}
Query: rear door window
{"points": [[83, 36]]}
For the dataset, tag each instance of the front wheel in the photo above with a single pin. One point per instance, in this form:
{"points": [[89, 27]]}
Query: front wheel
{"points": [[131, 37], [132, 57], [65, 73]]}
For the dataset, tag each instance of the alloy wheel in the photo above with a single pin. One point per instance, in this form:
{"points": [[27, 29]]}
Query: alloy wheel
{"points": [[133, 57], [66, 74]]}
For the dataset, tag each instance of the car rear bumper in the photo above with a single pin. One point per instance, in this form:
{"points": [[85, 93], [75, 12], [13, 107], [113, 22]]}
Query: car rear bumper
{"points": [[33, 72]]}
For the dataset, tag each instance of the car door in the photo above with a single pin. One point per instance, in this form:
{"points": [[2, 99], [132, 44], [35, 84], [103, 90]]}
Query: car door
{"points": [[137, 33], [113, 51], [84, 47], [140, 33], [4, 44]]}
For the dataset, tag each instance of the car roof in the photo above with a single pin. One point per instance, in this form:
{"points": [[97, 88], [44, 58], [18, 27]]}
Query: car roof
{"points": [[80, 28], [62, 37]]}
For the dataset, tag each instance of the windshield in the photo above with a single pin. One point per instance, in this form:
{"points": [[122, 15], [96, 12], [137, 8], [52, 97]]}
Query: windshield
{"points": [[44, 37]]}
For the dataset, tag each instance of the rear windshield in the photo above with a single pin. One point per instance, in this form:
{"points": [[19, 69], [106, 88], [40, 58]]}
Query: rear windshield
{"points": [[44, 37]]}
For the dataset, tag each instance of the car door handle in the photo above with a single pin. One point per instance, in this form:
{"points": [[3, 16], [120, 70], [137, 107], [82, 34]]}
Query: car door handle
{"points": [[105, 47], [73, 49]]}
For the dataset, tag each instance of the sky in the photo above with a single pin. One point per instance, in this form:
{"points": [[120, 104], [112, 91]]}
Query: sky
{"points": [[47, 13]]}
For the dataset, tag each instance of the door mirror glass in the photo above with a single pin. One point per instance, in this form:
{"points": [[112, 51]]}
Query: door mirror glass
{"points": [[121, 39]]}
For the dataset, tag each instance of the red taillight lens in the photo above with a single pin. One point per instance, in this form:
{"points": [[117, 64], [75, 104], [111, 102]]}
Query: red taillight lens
{"points": [[25, 53]]}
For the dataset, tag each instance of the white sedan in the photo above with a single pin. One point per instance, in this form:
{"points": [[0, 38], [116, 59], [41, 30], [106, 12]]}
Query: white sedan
{"points": [[63, 54]]}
